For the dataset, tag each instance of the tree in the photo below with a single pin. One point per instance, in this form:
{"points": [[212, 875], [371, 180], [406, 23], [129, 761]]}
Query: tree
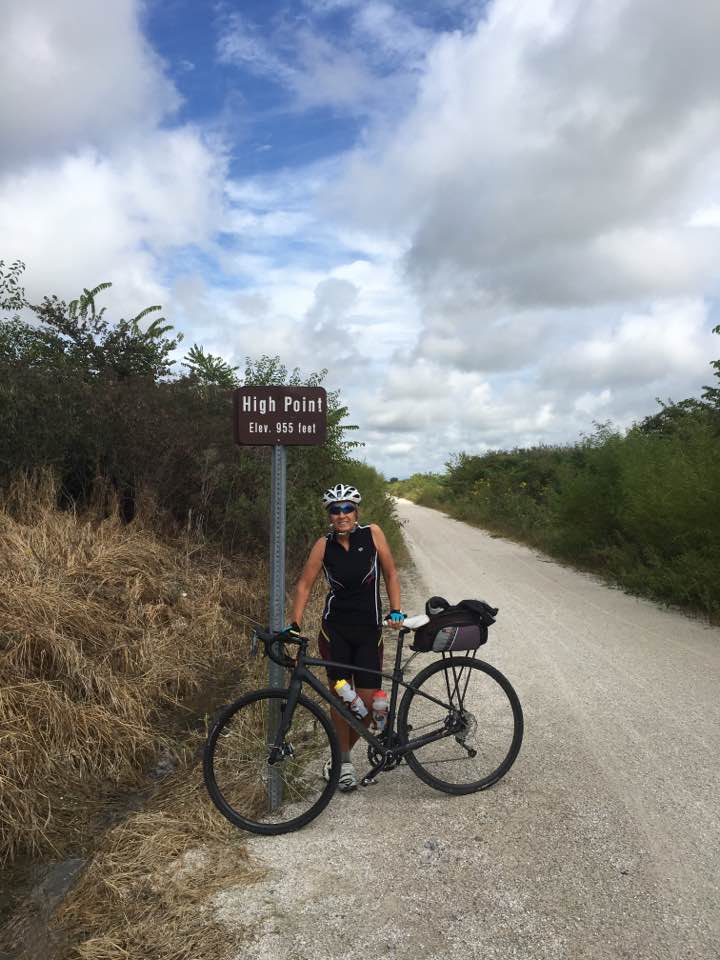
{"points": [[12, 294], [99, 348], [712, 394], [75, 338], [673, 417], [209, 370], [269, 371]]}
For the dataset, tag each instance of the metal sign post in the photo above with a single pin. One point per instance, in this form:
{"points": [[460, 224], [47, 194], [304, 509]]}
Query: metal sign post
{"points": [[277, 417], [278, 490]]}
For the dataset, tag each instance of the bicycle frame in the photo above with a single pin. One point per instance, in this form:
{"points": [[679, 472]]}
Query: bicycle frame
{"points": [[301, 675]]}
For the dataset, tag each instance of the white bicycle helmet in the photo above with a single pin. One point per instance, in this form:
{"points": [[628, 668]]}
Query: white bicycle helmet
{"points": [[340, 493]]}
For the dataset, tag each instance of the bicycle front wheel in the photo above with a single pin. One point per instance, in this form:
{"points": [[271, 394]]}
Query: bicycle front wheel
{"points": [[239, 778], [477, 712]]}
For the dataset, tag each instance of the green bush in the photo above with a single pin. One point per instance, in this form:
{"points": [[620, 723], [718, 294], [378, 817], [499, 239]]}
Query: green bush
{"points": [[426, 489], [98, 402], [642, 508], [377, 504], [585, 500]]}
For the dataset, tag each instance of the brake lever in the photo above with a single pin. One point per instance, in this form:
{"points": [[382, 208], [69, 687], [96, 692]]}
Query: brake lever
{"points": [[254, 640]]}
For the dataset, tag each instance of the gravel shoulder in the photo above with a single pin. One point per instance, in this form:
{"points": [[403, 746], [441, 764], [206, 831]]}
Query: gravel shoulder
{"points": [[603, 841]]}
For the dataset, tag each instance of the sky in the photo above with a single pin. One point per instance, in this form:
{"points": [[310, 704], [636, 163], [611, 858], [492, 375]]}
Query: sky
{"points": [[494, 223]]}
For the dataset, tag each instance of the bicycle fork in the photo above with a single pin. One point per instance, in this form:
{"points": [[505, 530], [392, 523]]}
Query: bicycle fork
{"points": [[280, 720]]}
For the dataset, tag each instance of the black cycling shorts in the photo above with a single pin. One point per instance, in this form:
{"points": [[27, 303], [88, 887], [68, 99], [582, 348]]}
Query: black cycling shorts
{"points": [[359, 645]]}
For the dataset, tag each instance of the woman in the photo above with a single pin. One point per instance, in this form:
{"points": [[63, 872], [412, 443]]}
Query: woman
{"points": [[351, 630]]}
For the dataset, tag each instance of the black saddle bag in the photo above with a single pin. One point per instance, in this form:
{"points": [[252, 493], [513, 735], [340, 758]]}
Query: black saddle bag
{"points": [[460, 627]]}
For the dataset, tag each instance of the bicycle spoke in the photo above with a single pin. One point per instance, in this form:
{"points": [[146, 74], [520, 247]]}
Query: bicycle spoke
{"points": [[480, 717], [238, 773], [423, 726]]}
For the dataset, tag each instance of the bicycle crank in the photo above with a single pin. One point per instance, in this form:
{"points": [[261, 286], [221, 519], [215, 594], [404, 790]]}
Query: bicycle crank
{"points": [[391, 760]]}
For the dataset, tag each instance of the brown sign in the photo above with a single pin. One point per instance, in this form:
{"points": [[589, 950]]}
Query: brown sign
{"points": [[266, 416]]}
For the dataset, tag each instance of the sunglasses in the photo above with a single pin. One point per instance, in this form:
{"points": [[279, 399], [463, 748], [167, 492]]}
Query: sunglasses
{"points": [[338, 508]]}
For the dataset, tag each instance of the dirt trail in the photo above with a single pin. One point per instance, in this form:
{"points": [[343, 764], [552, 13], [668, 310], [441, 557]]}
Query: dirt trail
{"points": [[602, 842]]}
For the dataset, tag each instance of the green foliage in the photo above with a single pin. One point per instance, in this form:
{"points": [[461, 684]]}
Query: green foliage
{"points": [[642, 508], [711, 395], [86, 303], [269, 371], [91, 345], [675, 417], [585, 502], [12, 293], [424, 488], [377, 506], [75, 340], [98, 399], [209, 370]]}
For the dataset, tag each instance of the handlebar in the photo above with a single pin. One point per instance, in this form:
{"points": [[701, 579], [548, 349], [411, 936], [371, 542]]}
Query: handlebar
{"points": [[273, 644]]}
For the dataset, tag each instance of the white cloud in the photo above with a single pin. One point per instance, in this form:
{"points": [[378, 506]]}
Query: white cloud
{"points": [[93, 185], [324, 7], [668, 343], [549, 144], [525, 239], [592, 404], [90, 217], [76, 73], [706, 217], [241, 44], [365, 68], [316, 72], [398, 37], [607, 368], [555, 189]]}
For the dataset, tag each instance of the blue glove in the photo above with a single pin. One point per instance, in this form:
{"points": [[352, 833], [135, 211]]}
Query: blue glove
{"points": [[395, 616]]}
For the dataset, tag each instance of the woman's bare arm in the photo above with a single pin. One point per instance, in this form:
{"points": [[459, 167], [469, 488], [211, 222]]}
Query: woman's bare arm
{"points": [[387, 564], [308, 577]]}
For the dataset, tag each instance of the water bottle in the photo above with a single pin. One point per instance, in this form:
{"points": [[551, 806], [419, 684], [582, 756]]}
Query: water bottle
{"points": [[346, 693], [379, 710]]}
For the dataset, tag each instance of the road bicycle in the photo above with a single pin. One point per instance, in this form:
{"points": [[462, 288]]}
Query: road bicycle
{"points": [[458, 727]]}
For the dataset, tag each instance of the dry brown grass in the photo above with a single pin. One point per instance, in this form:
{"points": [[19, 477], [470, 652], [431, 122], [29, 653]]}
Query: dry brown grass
{"points": [[147, 892], [104, 632], [107, 635]]}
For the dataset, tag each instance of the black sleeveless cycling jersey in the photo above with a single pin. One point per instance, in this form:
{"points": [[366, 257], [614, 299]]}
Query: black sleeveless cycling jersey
{"points": [[352, 575]]}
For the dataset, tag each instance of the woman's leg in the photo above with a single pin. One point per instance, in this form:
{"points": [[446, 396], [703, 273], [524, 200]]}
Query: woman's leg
{"points": [[366, 695], [333, 646], [363, 649], [346, 734], [368, 657]]}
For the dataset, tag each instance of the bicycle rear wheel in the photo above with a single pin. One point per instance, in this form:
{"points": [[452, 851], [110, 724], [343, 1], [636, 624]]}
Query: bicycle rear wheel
{"points": [[236, 768], [481, 719]]}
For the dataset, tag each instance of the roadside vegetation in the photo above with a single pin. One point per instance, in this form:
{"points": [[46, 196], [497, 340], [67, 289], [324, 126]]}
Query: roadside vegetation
{"points": [[640, 507], [133, 537]]}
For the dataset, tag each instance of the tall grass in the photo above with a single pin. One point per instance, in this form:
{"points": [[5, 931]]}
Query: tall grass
{"points": [[114, 639], [105, 631]]}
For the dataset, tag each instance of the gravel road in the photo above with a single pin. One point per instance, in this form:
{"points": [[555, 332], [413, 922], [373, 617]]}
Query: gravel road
{"points": [[603, 841]]}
